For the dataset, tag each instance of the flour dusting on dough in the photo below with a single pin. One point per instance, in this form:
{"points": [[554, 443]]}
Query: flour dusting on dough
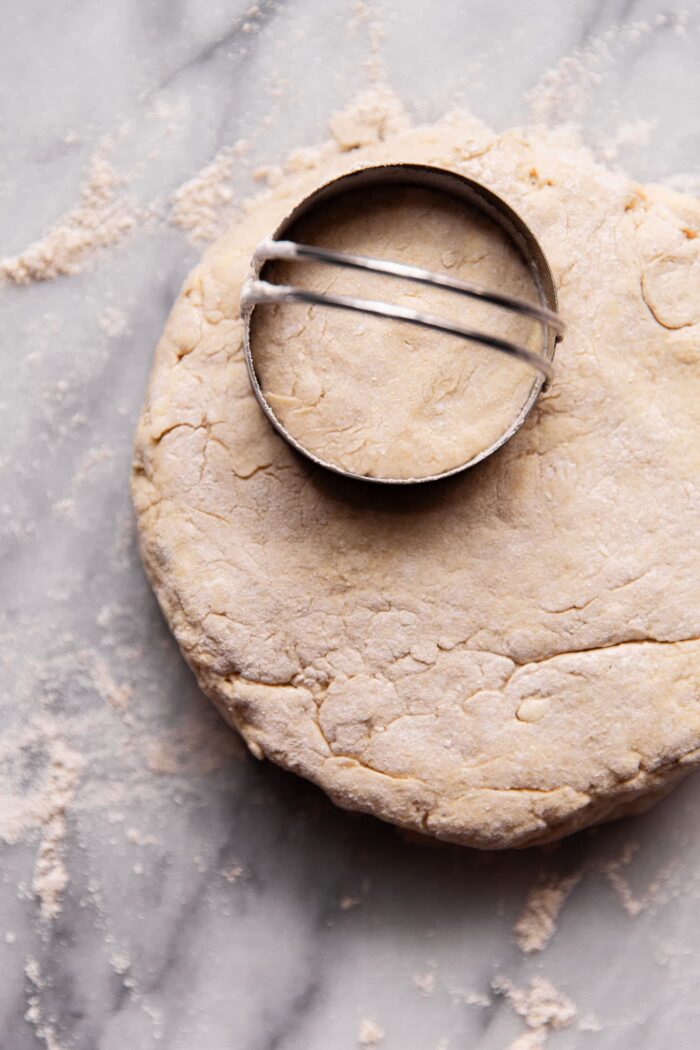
{"points": [[372, 116], [203, 204]]}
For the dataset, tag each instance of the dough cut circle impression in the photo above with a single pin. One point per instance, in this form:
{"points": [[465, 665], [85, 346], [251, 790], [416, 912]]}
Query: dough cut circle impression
{"points": [[394, 406], [498, 659]]}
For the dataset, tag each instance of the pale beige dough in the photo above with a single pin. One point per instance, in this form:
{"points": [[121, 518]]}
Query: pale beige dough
{"points": [[498, 659], [387, 399]]}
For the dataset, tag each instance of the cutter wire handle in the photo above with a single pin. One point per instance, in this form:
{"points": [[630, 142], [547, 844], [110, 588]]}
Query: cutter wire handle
{"points": [[257, 292]]}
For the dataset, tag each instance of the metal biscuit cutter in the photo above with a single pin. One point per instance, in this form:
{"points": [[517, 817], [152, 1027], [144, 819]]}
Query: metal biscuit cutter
{"points": [[257, 291]]}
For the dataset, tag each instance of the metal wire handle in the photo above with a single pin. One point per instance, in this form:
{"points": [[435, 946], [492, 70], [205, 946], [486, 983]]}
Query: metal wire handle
{"points": [[256, 292]]}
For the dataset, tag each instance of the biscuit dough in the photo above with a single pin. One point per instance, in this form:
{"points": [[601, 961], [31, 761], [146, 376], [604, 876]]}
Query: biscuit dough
{"points": [[497, 659], [384, 398]]}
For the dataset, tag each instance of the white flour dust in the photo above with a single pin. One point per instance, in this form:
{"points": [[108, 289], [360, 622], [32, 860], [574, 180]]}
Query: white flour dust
{"points": [[537, 922], [43, 1029], [113, 322], [425, 982], [635, 903], [564, 93], [369, 1033], [50, 875], [103, 217], [542, 1007], [203, 204]]}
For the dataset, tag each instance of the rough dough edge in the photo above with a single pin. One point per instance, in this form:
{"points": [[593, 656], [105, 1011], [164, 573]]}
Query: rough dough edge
{"points": [[355, 791]]}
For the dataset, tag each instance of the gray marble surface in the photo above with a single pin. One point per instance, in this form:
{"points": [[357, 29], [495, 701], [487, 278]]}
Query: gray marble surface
{"points": [[192, 896]]}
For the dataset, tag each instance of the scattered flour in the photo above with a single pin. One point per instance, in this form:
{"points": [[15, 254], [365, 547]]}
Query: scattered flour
{"points": [[425, 982], [272, 174], [203, 204], [460, 995], [33, 971], [120, 962], [33, 1014], [50, 875], [684, 182], [542, 1007], [635, 133], [530, 1040], [113, 322], [537, 922], [102, 218], [635, 904], [64, 507], [564, 93], [477, 999], [43, 808], [233, 873], [116, 694], [365, 16], [612, 871], [369, 1033], [92, 458], [370, 117], [201, 207], [139, 838]]}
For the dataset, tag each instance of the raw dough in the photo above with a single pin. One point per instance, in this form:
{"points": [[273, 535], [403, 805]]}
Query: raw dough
{"points": [[498, 659], [381, 398]]}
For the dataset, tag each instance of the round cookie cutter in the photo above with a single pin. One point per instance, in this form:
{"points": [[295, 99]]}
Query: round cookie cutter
{"points": [[257, 291]]}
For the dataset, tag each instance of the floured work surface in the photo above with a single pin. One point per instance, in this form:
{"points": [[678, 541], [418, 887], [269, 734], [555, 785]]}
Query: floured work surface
{"points": [[497, 659]]}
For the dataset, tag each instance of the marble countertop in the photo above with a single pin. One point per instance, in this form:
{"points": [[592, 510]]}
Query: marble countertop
{"points": [[159, 887]]}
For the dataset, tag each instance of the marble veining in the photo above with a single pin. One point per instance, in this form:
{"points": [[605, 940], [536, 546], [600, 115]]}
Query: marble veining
{"points": [[202, 900]]}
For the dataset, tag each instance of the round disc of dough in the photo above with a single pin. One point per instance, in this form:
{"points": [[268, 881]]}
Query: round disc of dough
{"points": [[497, 659]]}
